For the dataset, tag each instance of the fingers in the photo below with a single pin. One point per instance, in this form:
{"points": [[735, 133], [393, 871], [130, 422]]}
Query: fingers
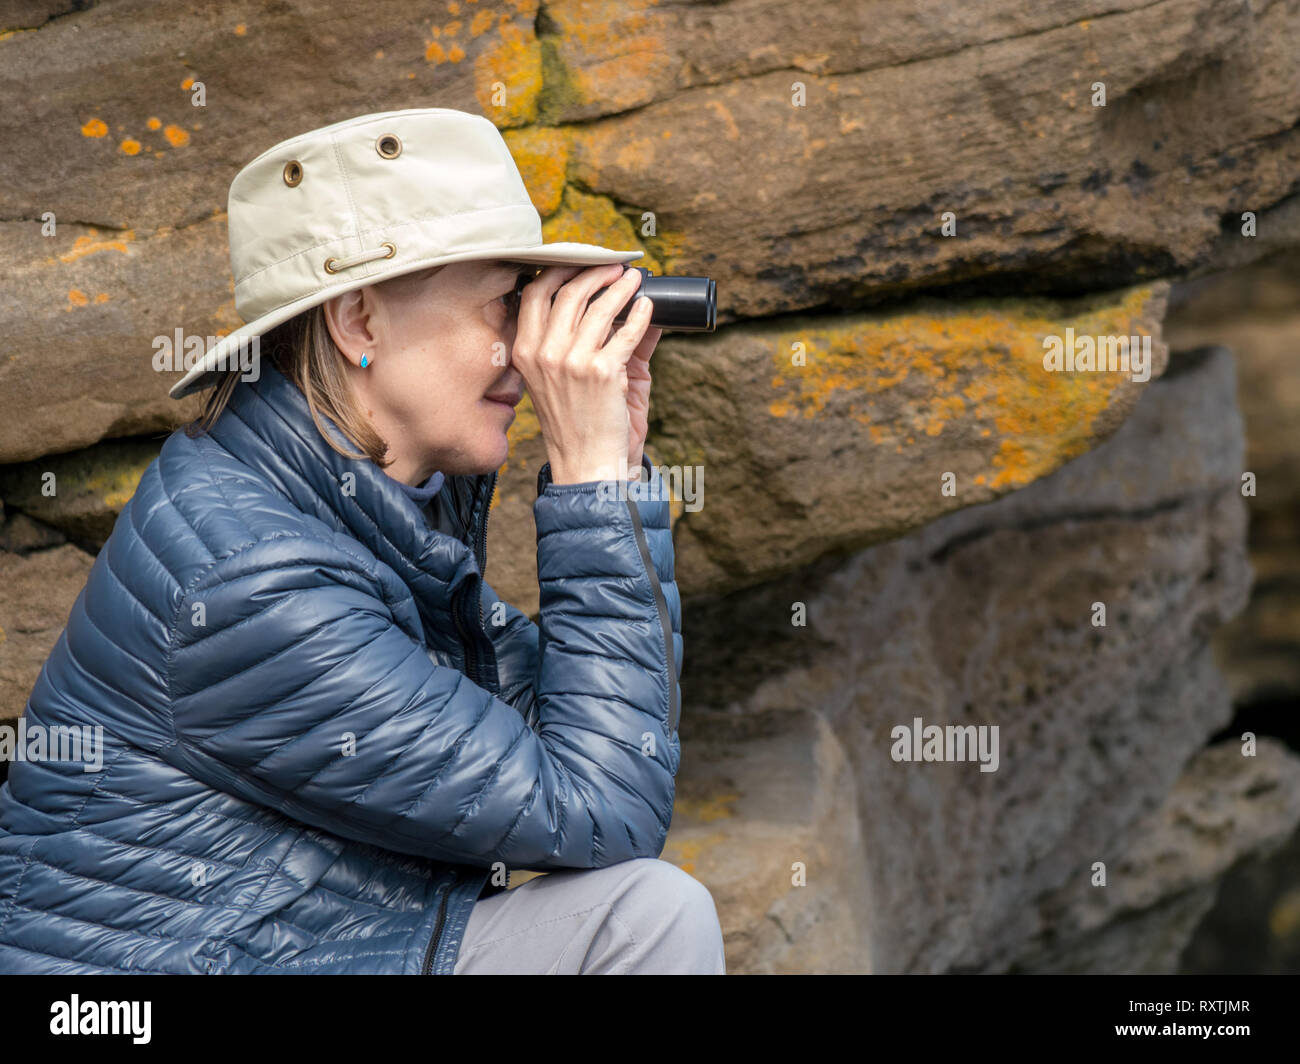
{"points": [[571, 295], [535, 305], [627, 339], [599, 316]]}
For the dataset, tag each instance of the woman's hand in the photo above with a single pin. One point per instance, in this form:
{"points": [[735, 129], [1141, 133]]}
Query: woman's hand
{"points": [[580, 372]]}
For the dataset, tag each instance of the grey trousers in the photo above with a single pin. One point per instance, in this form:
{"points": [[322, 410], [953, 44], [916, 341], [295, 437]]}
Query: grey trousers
{"points": [[639, 917]]}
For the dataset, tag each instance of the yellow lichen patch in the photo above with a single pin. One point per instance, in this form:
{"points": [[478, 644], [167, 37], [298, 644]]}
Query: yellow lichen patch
{"points": [[90, 244], [685, 852], [154, 124], [102, 297], [589, 219], [508, 75], [667, 247], [455, 53], [76, 298], [240, 29], [717, 807], [130, 146], [176, 136], [481, 23], [188, 83], [96, 127], [981, 366], [542, 154]]}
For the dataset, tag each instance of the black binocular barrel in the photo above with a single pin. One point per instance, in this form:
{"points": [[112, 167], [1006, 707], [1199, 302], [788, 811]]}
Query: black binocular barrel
{"points": [[687, 304]]}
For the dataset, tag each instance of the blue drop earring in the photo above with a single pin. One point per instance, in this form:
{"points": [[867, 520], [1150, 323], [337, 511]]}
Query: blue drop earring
{"points": [[365, 361]]}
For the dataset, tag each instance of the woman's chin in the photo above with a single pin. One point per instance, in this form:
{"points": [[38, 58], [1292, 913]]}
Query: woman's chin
{"points": [[495, 452]]}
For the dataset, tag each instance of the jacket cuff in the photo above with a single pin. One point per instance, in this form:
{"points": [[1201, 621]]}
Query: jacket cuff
{"points": [[646, 502], [544, 477]]}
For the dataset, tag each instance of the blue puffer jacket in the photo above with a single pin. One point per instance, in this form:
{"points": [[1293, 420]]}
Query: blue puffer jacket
{"points": [[321, 726]]}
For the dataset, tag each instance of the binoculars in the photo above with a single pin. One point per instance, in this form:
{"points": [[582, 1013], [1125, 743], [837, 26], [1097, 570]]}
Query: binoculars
{"points": [[686, 304]]}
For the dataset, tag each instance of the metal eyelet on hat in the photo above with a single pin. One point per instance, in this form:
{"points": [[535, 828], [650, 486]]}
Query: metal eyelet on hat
{"points": [[389, 146], [292, 172], [333, 265]]}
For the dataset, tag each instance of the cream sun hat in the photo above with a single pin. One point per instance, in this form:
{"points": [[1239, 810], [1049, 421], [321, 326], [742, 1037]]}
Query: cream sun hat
{"points": [[370, 198]]}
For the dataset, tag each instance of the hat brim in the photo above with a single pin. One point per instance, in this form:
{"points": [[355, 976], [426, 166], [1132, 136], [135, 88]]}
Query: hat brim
{"points": [[232, 351]]}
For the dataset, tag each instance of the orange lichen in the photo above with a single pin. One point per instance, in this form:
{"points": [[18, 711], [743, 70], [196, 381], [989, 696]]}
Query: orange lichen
{"points": [[130, 146], [515, 62], [154, 123], [975, 366], [77, 298], [176, 136], [96, 127], [188, 83], [240, 29], [89, 244]]}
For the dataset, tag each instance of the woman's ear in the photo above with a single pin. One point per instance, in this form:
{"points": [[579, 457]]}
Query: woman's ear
{"points": [[351, 319]]}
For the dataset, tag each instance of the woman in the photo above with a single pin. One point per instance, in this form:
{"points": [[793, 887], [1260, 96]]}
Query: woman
{"points": [[326, 740]]}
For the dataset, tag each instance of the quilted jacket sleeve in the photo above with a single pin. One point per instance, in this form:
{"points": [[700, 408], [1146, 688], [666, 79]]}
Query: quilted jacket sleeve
{"points": [[517, 639], [297, 680]]}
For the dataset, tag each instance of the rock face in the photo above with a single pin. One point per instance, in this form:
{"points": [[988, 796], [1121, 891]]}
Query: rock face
{"points": [[805, 161], [985, 617]]}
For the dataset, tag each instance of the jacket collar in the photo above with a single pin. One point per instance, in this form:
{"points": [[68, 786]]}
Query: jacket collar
{"points": [[268, 426]]}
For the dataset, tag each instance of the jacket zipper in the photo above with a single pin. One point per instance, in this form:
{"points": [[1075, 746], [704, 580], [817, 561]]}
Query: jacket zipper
{"points": [[471, 657], [437, 929], [661, 604], [480, 554], [483, 565]]}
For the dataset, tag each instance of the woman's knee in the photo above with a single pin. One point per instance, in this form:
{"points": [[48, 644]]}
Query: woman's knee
{"points": [[661, 887]]}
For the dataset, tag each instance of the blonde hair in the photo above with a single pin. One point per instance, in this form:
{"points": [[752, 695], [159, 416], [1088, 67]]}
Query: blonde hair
{"points": [[305, 352]]}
